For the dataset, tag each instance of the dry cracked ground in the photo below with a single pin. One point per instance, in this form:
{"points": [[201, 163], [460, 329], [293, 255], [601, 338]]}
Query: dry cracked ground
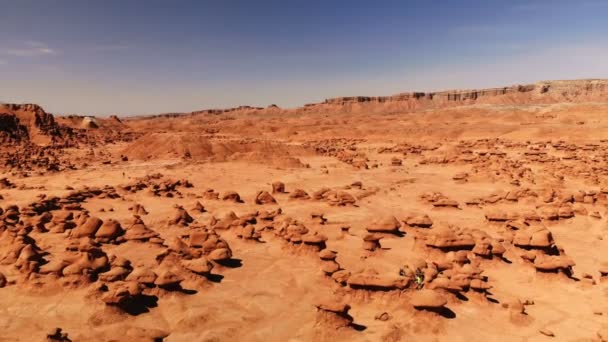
{"points": [[476, 222]]}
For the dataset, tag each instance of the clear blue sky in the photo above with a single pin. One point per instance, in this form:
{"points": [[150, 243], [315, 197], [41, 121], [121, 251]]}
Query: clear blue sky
{"points": [[138, 57]]}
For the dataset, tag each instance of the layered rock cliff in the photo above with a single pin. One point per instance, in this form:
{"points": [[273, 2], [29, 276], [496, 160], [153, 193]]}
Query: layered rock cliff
{"points": [[546, 92], [29, 123], [538, 93]]}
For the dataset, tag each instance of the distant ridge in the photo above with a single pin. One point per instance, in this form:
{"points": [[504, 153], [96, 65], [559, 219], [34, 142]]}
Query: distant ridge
{"points": [[543, 92]]}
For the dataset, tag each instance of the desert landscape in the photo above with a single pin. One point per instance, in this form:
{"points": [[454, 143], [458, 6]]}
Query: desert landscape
{"points": [[460, 215]]}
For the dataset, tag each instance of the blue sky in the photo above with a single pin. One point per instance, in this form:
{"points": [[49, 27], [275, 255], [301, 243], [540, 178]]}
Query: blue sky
{"points": [[140, 57]]}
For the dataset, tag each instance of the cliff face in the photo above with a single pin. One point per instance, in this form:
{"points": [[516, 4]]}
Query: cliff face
{"points": [[547, 92], [28, 123], [11, 129], [541, 92]]}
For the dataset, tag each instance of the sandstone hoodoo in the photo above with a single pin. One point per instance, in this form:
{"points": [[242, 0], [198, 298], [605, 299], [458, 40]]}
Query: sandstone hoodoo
{"points": [[263, 197], [428, 300], [334, 314], [278, 187], [371, 242], [388, 224], [181, 217], [299, 194]]}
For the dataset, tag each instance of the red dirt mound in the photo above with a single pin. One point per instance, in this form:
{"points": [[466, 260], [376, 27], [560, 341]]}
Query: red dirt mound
{"points": [[194, 146]]}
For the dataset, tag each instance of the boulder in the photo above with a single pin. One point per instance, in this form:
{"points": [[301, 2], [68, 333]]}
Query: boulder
{"points": [[108, 231], [142, 275], [333, 313], [138, 231], [200, 265], [220, 254], [232, 196], [422, 221], [428, 299], [278, 188], [181, 217], [448, 239], [553, 263], [87, 229], [387, 224], [263, 197], [167, 278], [327, 254], [120, 293], [373, 281], [371, 242], [198, 207], [299, 194]]}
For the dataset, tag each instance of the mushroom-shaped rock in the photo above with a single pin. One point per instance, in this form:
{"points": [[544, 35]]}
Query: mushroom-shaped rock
{"points": [[445, 283], [232, 196], [29, 259], [327, 254], [109, 230], [181, 217], [422, 221], [371, 242], [138, 209], [320, 194], [278, 187], [426, 299], [316, 239], [120, 293], [142, 275], [538, 237], [299, 194], [553, 263], [220, 254], [88, 262], [448, 239], [269, 215], [263, 197], [341, 198], [333, 313], [483, 247], [62, 216], [167, 278], [198, 207], [210, 194], [226, 221], [565, 212], [87, 229], [341, 277], [114, 274], [329, 266], [498, 248], [249, 233], [200, 265], [139, 232], [388, 224]]}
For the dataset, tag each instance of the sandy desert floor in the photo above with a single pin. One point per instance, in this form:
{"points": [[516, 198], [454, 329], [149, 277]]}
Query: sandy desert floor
{"points": [[471, 223]]}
